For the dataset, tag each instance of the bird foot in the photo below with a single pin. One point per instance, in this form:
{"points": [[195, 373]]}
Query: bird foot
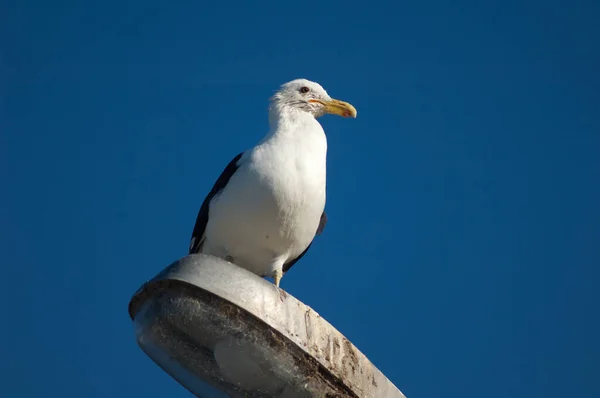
{"points": [[277, 275]]}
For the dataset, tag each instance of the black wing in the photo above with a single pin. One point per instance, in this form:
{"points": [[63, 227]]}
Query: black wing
{"points": [[202, 219], [320, 229]]}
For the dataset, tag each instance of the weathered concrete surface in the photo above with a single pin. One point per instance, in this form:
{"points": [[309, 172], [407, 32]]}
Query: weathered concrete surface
{"points": [[203, 318]]}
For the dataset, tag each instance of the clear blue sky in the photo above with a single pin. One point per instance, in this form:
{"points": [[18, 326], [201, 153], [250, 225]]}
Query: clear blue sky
{"points": [[463, 244]]}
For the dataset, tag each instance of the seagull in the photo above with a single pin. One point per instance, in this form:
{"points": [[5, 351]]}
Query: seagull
{"points": [[268, 204]]}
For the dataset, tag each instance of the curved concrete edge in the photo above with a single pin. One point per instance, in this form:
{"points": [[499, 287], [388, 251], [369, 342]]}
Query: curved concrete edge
{"points": [[282, 312]]}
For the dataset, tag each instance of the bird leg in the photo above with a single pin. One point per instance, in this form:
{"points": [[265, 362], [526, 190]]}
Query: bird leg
{"points": [[277, 275]]}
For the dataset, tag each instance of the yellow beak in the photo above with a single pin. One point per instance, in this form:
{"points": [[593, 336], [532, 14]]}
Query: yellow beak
{"points": [[336, 107]]}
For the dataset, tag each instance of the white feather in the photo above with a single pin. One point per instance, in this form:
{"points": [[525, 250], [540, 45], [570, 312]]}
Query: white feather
{"points": [[269, 211]]}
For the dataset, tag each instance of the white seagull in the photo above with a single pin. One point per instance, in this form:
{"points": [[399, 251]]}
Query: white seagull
{"points": [[268, 204]]}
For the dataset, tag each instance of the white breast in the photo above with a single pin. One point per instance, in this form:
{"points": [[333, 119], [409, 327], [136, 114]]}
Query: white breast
{"points": [[270, 209]]}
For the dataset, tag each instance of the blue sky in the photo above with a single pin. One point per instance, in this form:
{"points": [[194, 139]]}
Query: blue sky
{"points": [[462, 249]]}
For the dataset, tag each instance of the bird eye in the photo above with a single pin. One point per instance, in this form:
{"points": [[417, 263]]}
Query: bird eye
{"points": [[304, 90]]}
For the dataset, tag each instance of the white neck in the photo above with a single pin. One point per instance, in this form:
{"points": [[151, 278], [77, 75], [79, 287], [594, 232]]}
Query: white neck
{"points": [[289, 122]]}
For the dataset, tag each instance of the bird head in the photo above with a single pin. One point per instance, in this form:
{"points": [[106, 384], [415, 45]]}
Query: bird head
{"points": [[310, 97]]}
